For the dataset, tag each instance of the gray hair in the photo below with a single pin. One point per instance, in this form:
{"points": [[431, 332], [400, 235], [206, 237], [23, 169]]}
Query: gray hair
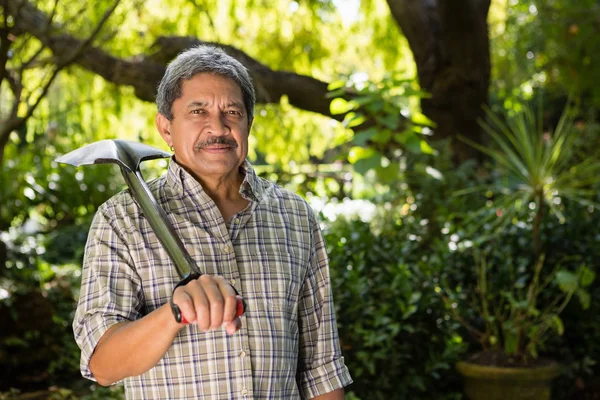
{"points": [[197, 60]]}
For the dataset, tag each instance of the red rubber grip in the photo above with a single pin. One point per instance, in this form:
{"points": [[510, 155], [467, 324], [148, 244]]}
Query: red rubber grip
{"points": [[240, 307]]}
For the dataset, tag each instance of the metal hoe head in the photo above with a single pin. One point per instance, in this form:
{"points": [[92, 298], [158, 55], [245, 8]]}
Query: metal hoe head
{"points": [[127, 154]]}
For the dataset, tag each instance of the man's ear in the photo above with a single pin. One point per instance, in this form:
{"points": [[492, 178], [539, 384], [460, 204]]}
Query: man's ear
{"points": [[163, 125]]}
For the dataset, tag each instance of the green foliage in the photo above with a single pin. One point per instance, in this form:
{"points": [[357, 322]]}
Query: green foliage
{"points": [[45, 213], [280, 127], [395, 335], [385, 122], [546, 44], [538, 170], [286, 28], [94, 392], [578, 349], [46, 208], [567, 246], [515, 315]]}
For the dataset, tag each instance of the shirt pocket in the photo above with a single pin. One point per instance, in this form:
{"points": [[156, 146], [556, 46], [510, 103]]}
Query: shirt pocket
{"points": [[278, 279]]}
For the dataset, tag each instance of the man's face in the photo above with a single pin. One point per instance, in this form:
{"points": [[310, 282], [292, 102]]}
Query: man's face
{"points": [[209, 130]]}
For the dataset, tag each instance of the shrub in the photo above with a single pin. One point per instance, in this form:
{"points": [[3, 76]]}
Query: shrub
{"points": [[396, 338]]}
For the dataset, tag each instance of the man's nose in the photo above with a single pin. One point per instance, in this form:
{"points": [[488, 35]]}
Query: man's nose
{"points": [[218, 125]]}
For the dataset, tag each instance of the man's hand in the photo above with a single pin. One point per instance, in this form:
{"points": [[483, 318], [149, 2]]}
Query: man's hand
{"points": [[209, 302], [131, 348]]}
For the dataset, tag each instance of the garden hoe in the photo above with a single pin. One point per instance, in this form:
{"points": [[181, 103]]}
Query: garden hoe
{"points": [[128, 155]]}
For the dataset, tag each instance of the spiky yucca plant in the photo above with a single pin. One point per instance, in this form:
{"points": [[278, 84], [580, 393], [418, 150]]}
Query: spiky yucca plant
{"points": [[536, 170]]}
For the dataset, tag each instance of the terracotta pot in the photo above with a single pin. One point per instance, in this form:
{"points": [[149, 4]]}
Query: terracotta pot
{"points": [[498, 383]]}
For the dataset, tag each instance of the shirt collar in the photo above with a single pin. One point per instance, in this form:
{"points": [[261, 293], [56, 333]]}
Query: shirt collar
{"points": [[178, 178]]}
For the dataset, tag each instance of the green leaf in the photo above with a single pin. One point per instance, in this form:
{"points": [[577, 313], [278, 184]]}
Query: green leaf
{"points": [[336, 84], [364, 159], [415, 297], [391, 121], [426, 148], [357, 153], [421, 119], [354, 120], [388, 174], [365, 164], [362, 137], [567, 281], [586, 275], [375, 106], [409, 311], [584, 298], [383, 136], [340, 106], [410, 140], [14, 341], [510, 297]]}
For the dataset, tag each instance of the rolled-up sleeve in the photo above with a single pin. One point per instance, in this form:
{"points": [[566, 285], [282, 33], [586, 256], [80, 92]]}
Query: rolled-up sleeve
{"points": [[321, 367], [110, 288]]}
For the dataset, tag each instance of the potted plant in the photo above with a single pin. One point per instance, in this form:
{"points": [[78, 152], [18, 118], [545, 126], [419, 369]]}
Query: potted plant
{"points": [[535, 173]]}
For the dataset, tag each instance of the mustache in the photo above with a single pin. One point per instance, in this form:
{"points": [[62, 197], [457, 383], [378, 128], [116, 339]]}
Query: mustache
{"points": [[216, 140]]}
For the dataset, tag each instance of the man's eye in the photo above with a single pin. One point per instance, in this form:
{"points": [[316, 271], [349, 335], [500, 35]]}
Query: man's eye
{"points": [[197, 111], [234, 112]]}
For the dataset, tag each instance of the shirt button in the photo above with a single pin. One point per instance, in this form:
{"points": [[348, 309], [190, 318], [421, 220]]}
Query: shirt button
{"points": [[244, 392], [242, 354], [232, 282], [226, 249]]}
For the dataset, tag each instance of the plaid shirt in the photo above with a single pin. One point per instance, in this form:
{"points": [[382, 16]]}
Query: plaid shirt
{"points": [[272, 252]]}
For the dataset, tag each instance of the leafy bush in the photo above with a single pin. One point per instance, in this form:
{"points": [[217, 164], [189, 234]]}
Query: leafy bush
{"points": [[395, 335], [578, 348]]}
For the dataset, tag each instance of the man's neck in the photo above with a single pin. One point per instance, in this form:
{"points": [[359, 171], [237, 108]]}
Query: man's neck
{"points": [[224, 191], [222, 188], [226, 195]]}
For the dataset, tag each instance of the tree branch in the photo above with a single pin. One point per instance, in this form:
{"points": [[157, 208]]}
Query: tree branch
{"points": [[67, 59], [32, 106], [144, 72], [17, 88], [68, 56], [26, 64]]}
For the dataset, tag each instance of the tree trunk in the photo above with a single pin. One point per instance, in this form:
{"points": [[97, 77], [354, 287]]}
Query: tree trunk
{"points": [[449, 40]]}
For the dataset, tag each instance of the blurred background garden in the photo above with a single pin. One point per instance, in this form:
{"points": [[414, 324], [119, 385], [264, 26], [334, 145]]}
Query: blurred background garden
{"points": [[451, 149]]}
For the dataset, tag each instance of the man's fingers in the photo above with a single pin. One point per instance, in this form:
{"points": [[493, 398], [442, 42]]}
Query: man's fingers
{"points": [[233, 326], [198, 306], [229, 297], [186, 305], [215, 299], [210, 302]]}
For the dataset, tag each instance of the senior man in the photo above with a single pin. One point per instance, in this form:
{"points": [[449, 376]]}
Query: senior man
{"points": [[242, 231]]}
